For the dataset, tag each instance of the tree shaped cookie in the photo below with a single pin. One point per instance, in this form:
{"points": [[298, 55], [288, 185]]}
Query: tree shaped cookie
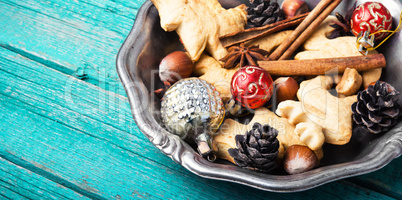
{"points": [[333, 114], [200, 24]]}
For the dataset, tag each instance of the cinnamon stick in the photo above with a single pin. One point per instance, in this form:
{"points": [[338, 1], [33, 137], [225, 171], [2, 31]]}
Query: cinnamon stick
{"points": [[300, 29], [252, 33], [322, 66], [309, 30]]}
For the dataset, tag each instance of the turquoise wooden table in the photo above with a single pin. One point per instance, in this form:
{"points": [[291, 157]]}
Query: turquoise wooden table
{"points": [[66, 130]]}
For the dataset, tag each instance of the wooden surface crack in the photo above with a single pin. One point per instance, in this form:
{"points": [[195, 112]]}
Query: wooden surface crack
{"points": [[24, 164], [66, 128]]}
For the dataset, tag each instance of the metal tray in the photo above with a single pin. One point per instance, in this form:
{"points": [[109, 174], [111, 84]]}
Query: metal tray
{"points": [[137, 66]]}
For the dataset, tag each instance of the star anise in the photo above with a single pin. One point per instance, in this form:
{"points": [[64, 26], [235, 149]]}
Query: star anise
{"points": [[342, 26], [243, 55]]}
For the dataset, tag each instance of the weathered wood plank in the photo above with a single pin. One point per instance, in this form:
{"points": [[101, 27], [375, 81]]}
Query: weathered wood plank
{"points": [[37, 95], [19, 183], [79, 38], [85, 162], [82, 145], [85, 169]]}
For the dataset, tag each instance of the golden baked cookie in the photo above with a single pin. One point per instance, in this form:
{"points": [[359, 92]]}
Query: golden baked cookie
{"points": [[199, 24], [319, 46], [225, 138]]}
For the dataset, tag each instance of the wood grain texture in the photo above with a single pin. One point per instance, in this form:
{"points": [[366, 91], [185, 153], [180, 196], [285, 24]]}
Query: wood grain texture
{"points": [[88, 149], [79, 38], [66, 129], [20, 183]]}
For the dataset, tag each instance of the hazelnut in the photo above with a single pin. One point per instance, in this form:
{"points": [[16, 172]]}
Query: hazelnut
{"points": [[175, 66], [292, 8], [298, 159], [286, 89]]}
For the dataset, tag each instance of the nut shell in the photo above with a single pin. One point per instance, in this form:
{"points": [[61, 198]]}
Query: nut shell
{"points": [[299, 159], [286, 89], [293, 8], [175, 66]]}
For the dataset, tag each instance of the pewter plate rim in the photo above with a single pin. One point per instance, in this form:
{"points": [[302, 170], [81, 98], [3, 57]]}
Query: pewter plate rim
{"points": [[383, 151]]}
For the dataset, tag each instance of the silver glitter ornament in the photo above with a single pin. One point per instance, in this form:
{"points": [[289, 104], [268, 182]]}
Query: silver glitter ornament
{"points": [[193, 110]]}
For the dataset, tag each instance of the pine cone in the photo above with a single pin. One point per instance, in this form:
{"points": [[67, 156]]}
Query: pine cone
{"points": [[377, 107], [257, 149], [263, 12]]}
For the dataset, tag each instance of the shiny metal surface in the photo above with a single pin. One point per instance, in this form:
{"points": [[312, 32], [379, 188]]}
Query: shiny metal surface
{"points": [[137, 66]]}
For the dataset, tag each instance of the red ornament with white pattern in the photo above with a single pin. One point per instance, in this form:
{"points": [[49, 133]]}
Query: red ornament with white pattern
{"points": [[371, 17], [251, 86]]}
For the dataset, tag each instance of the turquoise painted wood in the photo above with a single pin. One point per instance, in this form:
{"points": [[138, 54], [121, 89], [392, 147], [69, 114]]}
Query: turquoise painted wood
{"points": [[78, 38], [20, 183], [78, 149], [66, 129]]}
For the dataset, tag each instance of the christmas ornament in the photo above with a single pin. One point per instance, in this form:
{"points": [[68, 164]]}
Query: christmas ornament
{"points": [[251, 86], [193, 110], [368, 22], [257, 149], [377, 107]]}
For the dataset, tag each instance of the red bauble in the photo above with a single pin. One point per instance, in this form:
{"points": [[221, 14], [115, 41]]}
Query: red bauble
{"points": [[372, 17], [251, 86]]}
